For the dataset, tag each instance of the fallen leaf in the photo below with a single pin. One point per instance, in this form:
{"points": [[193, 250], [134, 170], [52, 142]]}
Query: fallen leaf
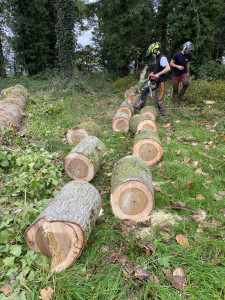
{"points": [[209, 101], [200, 197], [182, 240], [167, 125], [194, 144], [179, 272], [219, 195], [141, 273], [166, 271], [199, 229], [195, 163], [167, 142], [6, 289], [200, 172], [178, 152], [177, 281], [177, 205], [186, 160], [157, 188], [189, 184], [200, 216], [46, 294]]}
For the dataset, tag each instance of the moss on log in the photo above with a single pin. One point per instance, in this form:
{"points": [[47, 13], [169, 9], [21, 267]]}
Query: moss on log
{"points": [[147, 146], [149, 111], [139, 122], [62, 229], [85, 159], [132, 195], [77, 134]]}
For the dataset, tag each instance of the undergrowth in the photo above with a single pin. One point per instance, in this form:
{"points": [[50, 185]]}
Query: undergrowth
{"points": [[191, 171]]}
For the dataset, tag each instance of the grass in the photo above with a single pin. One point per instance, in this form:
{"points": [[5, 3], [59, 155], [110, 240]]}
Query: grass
{"points": [[188, 136]]}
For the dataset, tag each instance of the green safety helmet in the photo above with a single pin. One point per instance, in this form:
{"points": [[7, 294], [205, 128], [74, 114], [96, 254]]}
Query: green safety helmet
{"points": [[188, 46], [153, 48]]}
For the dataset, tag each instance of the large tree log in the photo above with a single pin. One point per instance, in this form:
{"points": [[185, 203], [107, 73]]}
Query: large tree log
{"points": [[12, 108], [121, 122], [147, 146], [126, 108], [132, 195], [85, 159], [139, 122], [77, 134], [149, 111], [62, 229]]}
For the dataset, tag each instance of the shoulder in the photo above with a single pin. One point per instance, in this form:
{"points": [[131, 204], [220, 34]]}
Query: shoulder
{"points": [[177, 54], [163, 61]]}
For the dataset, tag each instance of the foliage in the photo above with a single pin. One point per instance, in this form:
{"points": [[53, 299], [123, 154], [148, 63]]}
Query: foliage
{"points": [[125, 31], [34, 40], [2, 59], [124, 83], [86, 58]]}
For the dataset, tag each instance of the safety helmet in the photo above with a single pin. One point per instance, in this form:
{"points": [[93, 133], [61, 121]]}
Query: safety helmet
{"points": [[188, 46], [153, 48]]}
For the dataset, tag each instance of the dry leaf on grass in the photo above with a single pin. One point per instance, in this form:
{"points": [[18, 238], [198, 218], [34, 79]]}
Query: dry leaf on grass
{"points": [[177, 279], [177, 205], [6, 289], [186, 160], [199, 229], [199, 216], [200, 197], [182, 240], [189, 184], [167, 125], [219, 195], [46, 294], [200, 172], [195, 163], [141, 273], [209, 101]]}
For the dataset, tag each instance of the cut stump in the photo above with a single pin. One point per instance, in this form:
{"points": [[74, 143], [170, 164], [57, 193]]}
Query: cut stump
{"points": [[139, 122], [63, 227], [132, 195], [149, 111], [121, 122], [85, 159], [147, 146], [126, 108], [77, 134]]}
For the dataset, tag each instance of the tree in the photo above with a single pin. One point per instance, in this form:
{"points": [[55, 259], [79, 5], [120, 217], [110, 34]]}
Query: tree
{"points": [[34, 40], [2, 60], [65, 36], [125, 29]]}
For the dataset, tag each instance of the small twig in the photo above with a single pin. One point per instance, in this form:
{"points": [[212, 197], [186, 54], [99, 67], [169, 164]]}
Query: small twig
{"points": [[26, 287]]}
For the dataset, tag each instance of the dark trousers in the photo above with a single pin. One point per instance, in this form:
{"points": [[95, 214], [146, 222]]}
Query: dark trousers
{"points": [[176, 80]]}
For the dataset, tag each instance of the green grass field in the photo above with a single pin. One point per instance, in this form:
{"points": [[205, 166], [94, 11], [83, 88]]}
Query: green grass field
{"points": [[121, 260]]}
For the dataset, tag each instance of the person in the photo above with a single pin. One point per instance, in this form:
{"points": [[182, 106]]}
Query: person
{"points": [[161, 68], [180, 64]]}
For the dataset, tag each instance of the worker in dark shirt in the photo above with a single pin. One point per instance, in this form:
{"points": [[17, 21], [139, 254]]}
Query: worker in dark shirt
{"points": [[180, 64], [161, 68]]}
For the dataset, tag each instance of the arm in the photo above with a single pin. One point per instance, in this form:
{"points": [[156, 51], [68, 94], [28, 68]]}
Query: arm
{"points": [[165, 70], [188, 68], [172, 63]]}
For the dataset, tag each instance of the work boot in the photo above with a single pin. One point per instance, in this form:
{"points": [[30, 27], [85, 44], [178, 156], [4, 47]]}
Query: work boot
{"points": [[182, 97], [162, 109], [175, 99]]}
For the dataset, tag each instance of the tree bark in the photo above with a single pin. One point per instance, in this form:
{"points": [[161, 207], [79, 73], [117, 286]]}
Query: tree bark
{"points": [[63, 227], [77, 134], [132, 195], [121, 122], [147, 146], [85, 159], [149, 111], [139, 122]]}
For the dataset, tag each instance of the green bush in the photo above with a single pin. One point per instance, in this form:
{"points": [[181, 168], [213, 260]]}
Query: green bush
{"points": [[122, 84], [212, 69]]}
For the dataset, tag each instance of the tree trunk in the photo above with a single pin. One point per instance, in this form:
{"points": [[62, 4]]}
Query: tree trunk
{"points": [[149, 111], [127, 108], [85, 159], [77, 134], [12, 108], [148, 147], [121, 122], [63, 227], [132, 195], [139, 122], [2, 63]]}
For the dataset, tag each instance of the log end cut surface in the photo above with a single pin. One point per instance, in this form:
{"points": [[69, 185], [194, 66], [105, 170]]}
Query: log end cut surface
{"points": [[79, 166], [132, 200], [120, 124], [63, 241], [149, 150], [74, 136], [146, 125], [125, 110], [149, 114]]}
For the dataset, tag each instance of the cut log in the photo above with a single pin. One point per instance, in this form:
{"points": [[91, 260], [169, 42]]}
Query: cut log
{"points": [[132, 195], [77, 134], [62, 229], [148, 147], [126, 108], [149, 111], [121, 122], [139, 122], [12, 108], [85, 159], [5, 91]]}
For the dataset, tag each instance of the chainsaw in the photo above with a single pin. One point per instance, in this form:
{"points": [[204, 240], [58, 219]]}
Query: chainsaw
{"points": [[153, 83]]}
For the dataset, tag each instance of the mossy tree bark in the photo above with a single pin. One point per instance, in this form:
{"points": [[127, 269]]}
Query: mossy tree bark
{"points": [[62, 229], [132, 195], [139, 122], [149, 111], [85, 159]]}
